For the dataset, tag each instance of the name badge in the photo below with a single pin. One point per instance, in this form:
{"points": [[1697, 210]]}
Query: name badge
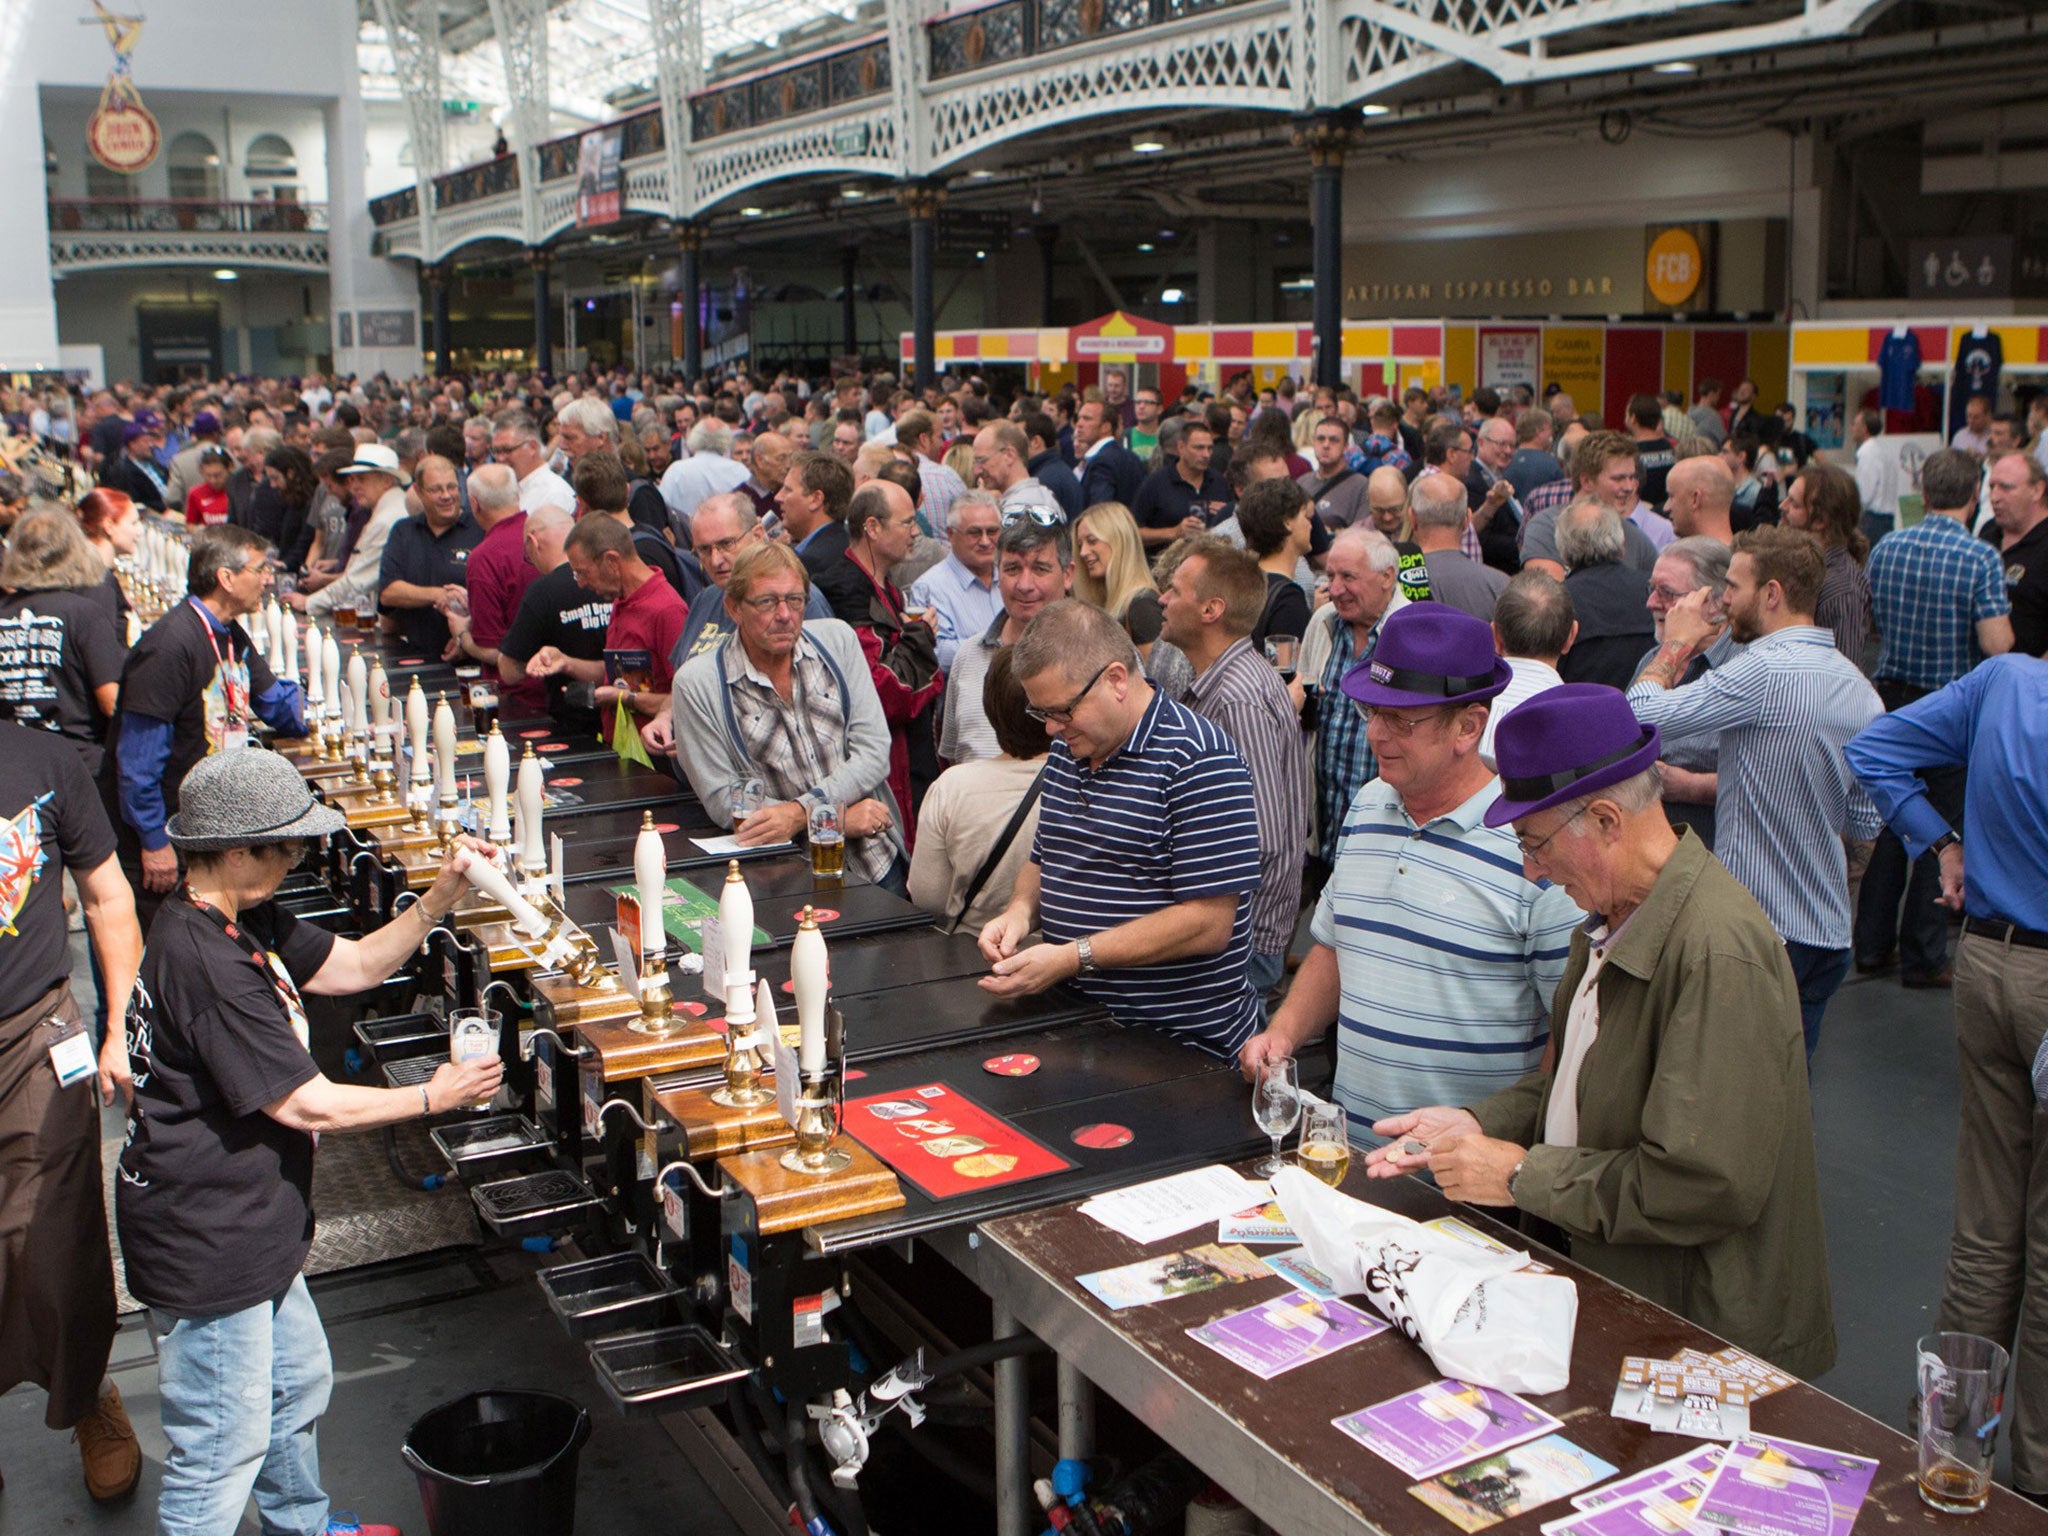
{"points": [[72, 1060]]}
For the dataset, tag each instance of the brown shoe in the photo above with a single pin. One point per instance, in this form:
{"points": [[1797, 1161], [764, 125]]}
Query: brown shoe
{"points": [[107, 1448]]}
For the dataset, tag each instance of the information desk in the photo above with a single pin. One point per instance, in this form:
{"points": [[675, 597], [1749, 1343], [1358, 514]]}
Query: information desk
{"points": [[1272, 1445]]}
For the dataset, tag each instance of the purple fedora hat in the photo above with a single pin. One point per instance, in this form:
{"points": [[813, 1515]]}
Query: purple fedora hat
{"points": [[1563, 743], [1429, 653]]}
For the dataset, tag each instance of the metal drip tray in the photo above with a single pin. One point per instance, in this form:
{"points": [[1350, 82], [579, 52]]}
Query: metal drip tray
{"points": [[532, 1201], [618, 1293], [411, 1071], [405, 1034], [492, 1144], [664, 1369]]}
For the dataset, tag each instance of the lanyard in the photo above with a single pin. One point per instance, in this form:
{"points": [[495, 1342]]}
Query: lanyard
{"points": [[211, 639], [273, 969]]}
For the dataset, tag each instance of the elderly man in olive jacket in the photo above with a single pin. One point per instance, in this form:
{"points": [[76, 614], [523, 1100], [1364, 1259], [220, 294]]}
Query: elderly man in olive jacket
{"points": [[1671, 1136]]}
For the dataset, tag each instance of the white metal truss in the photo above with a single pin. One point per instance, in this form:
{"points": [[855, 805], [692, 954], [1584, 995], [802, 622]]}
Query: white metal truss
{"points": [[412, 30], [1236, 56], [1390, 42], [522, 31], [829, 143], [909, 62], [108, 250], [678, 30]]}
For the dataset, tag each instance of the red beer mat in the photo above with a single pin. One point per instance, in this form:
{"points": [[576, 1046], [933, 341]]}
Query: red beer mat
{"points": [[535, 735], [822, 914], [694, 1010], [567, 783], [1019, 1064], [663, 827], [1101, 1136], [554, 746], [945, 1143]]}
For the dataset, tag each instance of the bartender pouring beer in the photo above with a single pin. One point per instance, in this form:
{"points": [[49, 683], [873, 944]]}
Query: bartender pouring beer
{"points": [[214, 1201]]}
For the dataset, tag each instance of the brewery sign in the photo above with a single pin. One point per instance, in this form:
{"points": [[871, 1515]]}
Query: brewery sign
{"points": [[122, 134]]}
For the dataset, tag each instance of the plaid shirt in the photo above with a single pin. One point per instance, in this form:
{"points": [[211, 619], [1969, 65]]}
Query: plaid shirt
{"points": [[1343, 760], [1930, 585]]}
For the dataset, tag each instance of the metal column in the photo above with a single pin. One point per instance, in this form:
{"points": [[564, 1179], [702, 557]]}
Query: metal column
{"points": [[922, 200], [543, 322], [1048, 242], [1326, 138], [849, 310], [1015, 1503], [692, 241], [437, 288]]}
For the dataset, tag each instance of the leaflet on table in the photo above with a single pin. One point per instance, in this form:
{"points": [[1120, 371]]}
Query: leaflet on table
{"points": [[1294, 1265], [1161, 1208], [1173, 1274], [1445, 1425], [1662, 1511], [1699, 1414], [1260, 1224], [1771, 1487], [1464, 1232], [725, 846], [1513, 1482], [1698, 1464], [1290, 1330]]}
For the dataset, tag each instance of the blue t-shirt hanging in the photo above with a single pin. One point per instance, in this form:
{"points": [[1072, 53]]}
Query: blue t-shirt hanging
{"points": [[1979, 361], [1898, 363]]}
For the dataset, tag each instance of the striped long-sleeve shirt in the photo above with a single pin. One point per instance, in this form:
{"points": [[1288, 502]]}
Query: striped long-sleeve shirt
{"points": [[1781, 713], [1168, 818], [1447, 956]]}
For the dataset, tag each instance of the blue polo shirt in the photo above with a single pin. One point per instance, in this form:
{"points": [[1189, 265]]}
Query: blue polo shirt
{"points": [[1169, 818]]}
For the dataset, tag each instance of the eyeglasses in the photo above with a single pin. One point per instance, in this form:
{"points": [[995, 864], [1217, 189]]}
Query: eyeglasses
{"points": [[1531, 850], [724, 546], [981, 535], [768, 602], [1401, 726], [1045, 517], [1670, 594], [1064, 715]]}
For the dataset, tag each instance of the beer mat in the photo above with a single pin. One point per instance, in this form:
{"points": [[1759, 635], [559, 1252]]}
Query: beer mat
{"points": [[683, 910], [1259, 1224], [1771, 1487], [1497, 1488], [553, 799], [1675, 1379], [1016, 1064], [1101, 1136], [945, 1143], [1697, 1464], [1294, 1265]]}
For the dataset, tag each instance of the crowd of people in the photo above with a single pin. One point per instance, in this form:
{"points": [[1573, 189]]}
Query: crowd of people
{"points": [[1473, 727]]}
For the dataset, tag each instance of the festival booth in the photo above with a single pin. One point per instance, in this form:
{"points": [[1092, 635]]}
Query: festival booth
{"points": [[1842, 366], [1600, 365]]}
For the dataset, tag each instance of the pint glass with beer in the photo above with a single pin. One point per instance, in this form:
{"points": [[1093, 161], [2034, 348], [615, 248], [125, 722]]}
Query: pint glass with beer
{"points": [[828, 844]]}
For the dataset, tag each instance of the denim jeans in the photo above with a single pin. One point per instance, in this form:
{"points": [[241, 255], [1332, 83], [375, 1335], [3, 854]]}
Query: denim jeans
{"points": [[1819, 972], [1265, 971], [241, 1394]]}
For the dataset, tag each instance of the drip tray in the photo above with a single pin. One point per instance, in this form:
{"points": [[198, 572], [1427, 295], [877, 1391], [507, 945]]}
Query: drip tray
{"points": [[411, 1071], [665, 1369], [495, 1145], [618, 1293], [550, 1199], [405, 1034]]}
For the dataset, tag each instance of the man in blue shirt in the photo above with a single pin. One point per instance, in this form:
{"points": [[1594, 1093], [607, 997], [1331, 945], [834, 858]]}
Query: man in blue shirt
{"points": [[960, 591], [188, 690], [1994, 722], [1939, 600], [1147, 853]]}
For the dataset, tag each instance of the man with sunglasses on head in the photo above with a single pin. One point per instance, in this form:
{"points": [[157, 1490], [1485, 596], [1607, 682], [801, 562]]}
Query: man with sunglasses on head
{"points": [[1435, 953], [1142, 871], [790, 703]]}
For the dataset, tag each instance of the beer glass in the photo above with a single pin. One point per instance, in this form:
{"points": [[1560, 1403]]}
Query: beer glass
{"points": [[472, 1036], [1326, 1143], [745, 799], [345, 615], [483, 707], [1276, 1105], [366, 614], [1281, 651], [828, 843], [1962, 1397]]}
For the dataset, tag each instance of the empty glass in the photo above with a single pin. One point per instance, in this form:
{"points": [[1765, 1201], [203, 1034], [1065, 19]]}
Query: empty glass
{"points": [[1276, 1105], [1962, 1398]]}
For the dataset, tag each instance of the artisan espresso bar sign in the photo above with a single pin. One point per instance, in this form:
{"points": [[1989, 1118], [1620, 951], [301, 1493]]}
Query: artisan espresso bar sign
{"points": [[1574, 272]]}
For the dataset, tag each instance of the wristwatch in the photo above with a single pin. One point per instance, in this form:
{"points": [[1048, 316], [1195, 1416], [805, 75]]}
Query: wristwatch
{"points": [[1943, 843], [1086, 950]]}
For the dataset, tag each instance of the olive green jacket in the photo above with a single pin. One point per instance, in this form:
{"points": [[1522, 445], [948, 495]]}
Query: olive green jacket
{"points": [[1694, 1181]]}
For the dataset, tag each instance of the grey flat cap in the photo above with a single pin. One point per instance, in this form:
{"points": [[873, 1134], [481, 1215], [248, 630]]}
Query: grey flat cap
{"points": [[246, 797]]}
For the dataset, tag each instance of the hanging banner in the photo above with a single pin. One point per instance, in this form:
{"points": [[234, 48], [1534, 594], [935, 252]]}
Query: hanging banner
{"points": [[122, 133], [597, 176]]}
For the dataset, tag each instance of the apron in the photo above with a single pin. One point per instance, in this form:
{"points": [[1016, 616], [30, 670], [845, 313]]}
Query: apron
{"points": [[56, 1269]]}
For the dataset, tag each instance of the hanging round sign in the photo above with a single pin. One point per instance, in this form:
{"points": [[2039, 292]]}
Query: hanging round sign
{"points": [[124, 137]]}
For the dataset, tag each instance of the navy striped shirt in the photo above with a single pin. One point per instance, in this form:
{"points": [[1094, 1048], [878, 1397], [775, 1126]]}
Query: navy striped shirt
{"points": [[1168, 818]]}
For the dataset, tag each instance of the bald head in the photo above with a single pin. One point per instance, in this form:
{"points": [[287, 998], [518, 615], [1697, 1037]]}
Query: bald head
{"points": [[771, 457], [1699, 495], [1386, 497]]}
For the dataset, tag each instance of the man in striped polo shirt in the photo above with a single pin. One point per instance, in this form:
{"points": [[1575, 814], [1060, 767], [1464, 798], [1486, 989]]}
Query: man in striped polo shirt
{"points": [[1434, 953], [1147, 854]]}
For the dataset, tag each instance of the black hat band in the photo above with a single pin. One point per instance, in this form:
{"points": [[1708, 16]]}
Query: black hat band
{"points": [[1543, 786], [1410, 681]]}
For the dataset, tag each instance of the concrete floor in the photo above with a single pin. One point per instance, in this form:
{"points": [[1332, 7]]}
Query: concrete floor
{"points": [[408, 1336]]}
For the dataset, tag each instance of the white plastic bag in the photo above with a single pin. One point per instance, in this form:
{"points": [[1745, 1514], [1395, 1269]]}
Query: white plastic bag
{"points": [[1479, 1316]]}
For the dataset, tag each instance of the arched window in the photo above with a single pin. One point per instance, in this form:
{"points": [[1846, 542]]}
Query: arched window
{"points": [[272, 168], [105, 186], [194, 167]]}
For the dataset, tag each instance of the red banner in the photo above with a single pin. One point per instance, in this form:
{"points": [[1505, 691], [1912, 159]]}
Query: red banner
{"points": [[945, 1143]]}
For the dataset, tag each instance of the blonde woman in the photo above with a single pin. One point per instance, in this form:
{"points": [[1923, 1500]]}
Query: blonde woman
{"points": [[960, 459], [58, 639], [1110, 574]]}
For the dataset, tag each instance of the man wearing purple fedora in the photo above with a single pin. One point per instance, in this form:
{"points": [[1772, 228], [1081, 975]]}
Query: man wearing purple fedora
{"points": [[1434, 953], [1670, 1140]]}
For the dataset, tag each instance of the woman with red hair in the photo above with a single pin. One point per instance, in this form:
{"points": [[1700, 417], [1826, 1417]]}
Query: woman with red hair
{"points": [[113, 527]]}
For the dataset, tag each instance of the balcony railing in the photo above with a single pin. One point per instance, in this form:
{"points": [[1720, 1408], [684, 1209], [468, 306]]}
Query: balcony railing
{"points": [[1009, 31], [809, 85], [642, 135], [473, 183], [395, 207], [173, 215]]}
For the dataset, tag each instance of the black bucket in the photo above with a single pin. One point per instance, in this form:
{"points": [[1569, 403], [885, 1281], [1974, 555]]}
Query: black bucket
{"points": [[499, 1464]]}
